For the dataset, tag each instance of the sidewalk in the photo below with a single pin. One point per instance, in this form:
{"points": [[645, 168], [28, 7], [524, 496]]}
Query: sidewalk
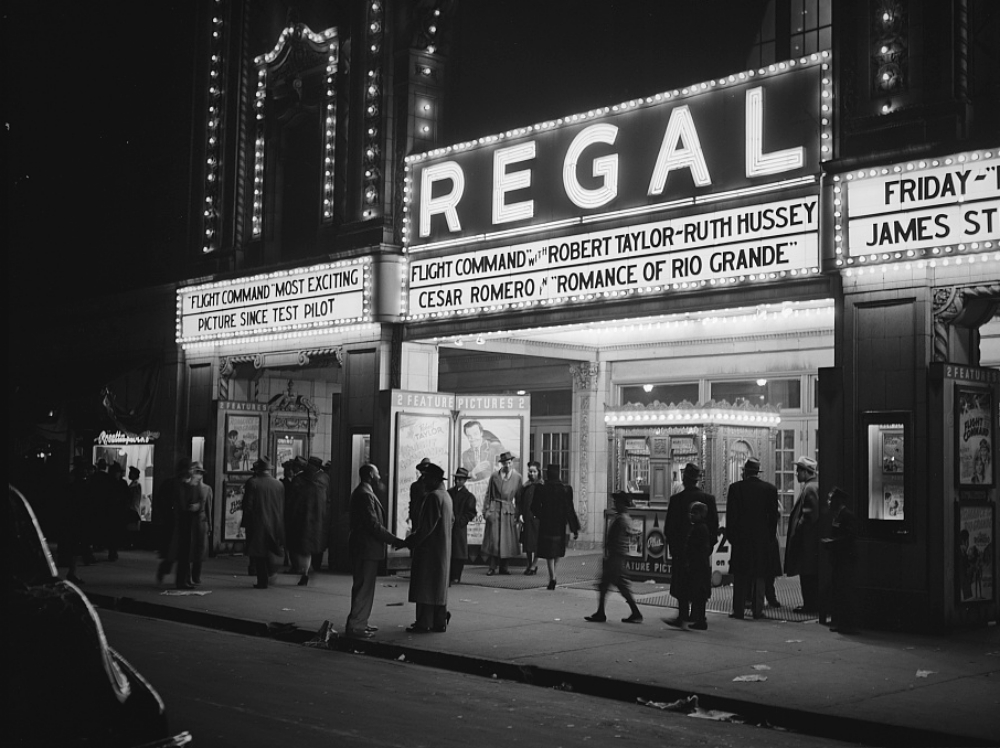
{"points": [[878, 688]]}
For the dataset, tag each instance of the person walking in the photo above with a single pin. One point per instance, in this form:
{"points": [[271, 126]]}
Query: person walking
{"points": [[841, 544], [133, 513], [553, 506], [366, 547], [616, 548], [292, 482], [192, 529], [430, 545], [173, 494], [677, 526], [500, 511], [802, 544], [463, 504], [117, 512], [264, 522], [751, 523], [527, 518], [305, 533]]}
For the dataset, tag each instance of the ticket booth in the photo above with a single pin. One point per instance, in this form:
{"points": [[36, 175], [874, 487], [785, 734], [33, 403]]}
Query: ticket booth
{"points": [[647, 451]]}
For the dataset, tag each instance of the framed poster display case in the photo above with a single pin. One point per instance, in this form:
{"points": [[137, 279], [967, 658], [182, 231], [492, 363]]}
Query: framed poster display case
{"points": [[975, 436], [886, 444], [975, 552]]}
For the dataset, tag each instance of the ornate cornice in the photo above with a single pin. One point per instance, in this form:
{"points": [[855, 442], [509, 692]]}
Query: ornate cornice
{"points": [[951, 306]]}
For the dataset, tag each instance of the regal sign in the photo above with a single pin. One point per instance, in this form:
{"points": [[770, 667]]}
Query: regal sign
{"points": [[736, 134]]}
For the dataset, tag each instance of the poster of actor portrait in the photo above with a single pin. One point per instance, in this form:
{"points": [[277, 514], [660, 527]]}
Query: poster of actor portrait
{"points": [[975, 437], [242, 442], [482, 440], [974, 550]]}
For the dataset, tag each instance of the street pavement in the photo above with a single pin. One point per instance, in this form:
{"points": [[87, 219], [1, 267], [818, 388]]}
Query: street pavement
{"points": [[876, 688]]}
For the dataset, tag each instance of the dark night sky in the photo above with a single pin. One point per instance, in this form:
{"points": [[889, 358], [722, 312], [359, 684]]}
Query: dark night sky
{"points": [[97, 96]]}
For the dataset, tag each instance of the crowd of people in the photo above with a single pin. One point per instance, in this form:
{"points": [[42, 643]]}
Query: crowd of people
{"points": [[286, 525], [98, 512]]}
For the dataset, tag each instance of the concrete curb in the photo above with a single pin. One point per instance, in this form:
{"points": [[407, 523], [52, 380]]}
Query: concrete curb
{"points": [[835, 727]]}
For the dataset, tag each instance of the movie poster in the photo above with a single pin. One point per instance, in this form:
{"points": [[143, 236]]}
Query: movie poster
{"points": [[482, 440], [975, 436], [417, 436], [242, 442], [232, 511], [974, 547]]}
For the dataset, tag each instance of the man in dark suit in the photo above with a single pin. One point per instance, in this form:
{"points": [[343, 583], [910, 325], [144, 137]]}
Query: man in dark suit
{"points": [[366, 544], [751, 523], [464, 506], [676, 527]]}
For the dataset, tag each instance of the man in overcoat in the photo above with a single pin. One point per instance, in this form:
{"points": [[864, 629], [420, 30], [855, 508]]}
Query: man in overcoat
{"points": [[804, 533], [751, 522], [500, 541], [463, 504], [264, 522], [366, 546], [677, 526], [430, 545]]}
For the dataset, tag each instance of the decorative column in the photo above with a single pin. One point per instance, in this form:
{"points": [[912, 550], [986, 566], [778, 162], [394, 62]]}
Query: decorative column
{"points": [[958, 312], [591, 450]]}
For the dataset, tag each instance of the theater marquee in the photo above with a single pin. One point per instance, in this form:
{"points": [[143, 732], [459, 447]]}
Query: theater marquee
{"points": [[635, 198], [319, 296]]}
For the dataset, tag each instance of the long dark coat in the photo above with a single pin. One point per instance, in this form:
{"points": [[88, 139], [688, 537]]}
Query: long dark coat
{"points": [[463, 504], [693, 575], [751, 524], [553, 505], [529, 522], [307, 518], [677, 525], [264, 518], [802, 544], [431, 549]]}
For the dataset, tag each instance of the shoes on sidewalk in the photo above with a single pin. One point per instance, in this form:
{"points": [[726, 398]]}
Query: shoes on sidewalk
{"points": [[737, 617], [505, 571], [634, 618], [491, 572], [596, 618], [371, 629], [551, 585], [184, 586], [698, 626], [415, 629], [303, 580], [677, 623], [362, 634]]}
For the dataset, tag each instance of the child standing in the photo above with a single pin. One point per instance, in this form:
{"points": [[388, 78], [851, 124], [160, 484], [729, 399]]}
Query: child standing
{"points": [[696, 566], [616, 548]]}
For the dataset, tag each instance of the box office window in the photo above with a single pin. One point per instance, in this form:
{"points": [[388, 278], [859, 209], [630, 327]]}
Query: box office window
{"points": [[779, 393]]}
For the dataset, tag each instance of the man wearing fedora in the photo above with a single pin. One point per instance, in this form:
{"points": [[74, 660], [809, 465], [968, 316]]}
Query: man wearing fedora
{"points": [[192, 529], [676, 527], [430, 544], [503, 493], [417, 493], [803, 543], [264, 522], [751, 524], [463, 504]]}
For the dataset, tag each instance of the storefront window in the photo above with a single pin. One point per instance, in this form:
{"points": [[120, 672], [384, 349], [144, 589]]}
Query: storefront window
{"points": [[668, 394], [778, 393]]}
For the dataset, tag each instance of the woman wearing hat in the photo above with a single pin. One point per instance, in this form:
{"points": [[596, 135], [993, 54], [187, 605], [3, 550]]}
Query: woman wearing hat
{"points": [[500, 511]]}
